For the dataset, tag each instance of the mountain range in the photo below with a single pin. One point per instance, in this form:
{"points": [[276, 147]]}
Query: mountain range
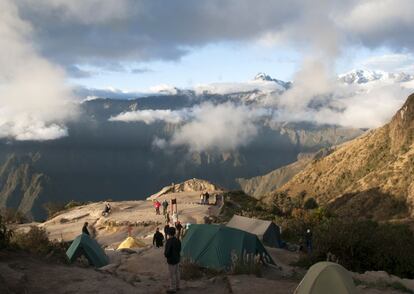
{"points": [[105, 158]]}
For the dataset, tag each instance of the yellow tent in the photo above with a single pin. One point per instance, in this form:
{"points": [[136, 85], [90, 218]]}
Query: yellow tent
{"points": [[326, 278], [131, 242]]}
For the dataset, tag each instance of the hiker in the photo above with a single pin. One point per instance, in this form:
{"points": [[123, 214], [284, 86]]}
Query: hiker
{"points": [[173, 203], [164, 207], [107, 209], [179, 228], [308, 238], [85, 229], [166, 228], [157, 205], [207, 197], [158, 239], [172, 253]]}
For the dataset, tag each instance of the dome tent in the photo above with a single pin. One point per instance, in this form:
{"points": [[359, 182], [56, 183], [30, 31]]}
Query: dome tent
{"points": [[326, 278], [131, 242], [212, 246], [85, 245]]}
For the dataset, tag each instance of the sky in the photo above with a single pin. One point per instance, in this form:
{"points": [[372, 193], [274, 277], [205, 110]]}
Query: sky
{"points": [[135, 45], [50, 48]]}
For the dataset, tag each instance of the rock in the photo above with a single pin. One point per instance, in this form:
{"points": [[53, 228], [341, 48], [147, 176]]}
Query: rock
{"points": [[110, 268]]}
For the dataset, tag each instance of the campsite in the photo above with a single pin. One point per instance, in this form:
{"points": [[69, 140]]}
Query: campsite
{"points": [[233, 257]]}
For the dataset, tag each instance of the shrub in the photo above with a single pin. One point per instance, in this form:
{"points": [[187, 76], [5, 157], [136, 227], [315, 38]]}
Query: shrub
{"points": [[310, 203], [247, 264], [5, 234], [366, 245], [11, 215], [35, 241], [53, 208], [190, 270]]}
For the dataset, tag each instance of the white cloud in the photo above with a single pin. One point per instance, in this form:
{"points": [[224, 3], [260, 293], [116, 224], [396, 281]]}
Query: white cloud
{"points": [[397, 62], [34, 100], [150, 116], [218, 127], [229, 88]]}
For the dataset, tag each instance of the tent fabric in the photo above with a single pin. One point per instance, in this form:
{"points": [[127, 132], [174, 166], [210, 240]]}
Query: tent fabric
{"points": [[326, 278], [85, 245], [131, 242], [267, 231], [212, 246]]}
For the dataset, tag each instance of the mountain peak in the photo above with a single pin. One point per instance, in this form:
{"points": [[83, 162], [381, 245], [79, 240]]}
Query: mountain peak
{"points": [[362, 76], [402, 125], [261, 76]]}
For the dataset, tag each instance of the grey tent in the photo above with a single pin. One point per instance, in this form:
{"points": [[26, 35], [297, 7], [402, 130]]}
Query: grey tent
{"points": [[267, 231], [326, 278]]}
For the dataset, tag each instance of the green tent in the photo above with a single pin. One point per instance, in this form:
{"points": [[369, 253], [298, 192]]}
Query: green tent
{"points": [[85, 245], [326, 278], [212, 246]]}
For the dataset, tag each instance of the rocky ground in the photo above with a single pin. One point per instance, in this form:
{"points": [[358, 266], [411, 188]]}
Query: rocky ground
{"points": [[144, 270]]}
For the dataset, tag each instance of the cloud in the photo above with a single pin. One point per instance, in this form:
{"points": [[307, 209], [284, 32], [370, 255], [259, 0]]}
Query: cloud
{"points": [[358, 106], [220, 127], [141, 70], [35, 102], [229, 88], [398, 62], [150, 116], [164, 89], [376, 23]]}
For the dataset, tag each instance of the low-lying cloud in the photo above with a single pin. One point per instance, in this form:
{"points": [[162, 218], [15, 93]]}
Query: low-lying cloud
{"points": [[223, 127], [150, 116]]}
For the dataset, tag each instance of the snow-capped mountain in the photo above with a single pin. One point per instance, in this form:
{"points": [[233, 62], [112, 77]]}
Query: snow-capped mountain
{"points": [[261, 76], [362, 76]]}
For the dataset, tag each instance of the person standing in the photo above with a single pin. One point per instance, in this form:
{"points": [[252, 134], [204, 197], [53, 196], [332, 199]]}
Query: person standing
{"points": [[308, 238], [166, 228], [179, 228], [157, 205], [158, 239], [172, 253], [85, 229], [164, 207]]}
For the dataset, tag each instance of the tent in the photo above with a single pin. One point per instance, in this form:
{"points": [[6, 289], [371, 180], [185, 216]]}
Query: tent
{"points": [[267, 231], [326, 278], [85, 245], [212, 246], [131, 242]]}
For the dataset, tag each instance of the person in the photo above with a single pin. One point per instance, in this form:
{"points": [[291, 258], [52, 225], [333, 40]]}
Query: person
{"points": [[158, 239], [85, 229], [167, 217], [202, 198], [166, 228], [173, 204], [172, 253], [107, 209], [207, 197], [308, 238], [179, 228], [157, 205], [164, 207]]}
